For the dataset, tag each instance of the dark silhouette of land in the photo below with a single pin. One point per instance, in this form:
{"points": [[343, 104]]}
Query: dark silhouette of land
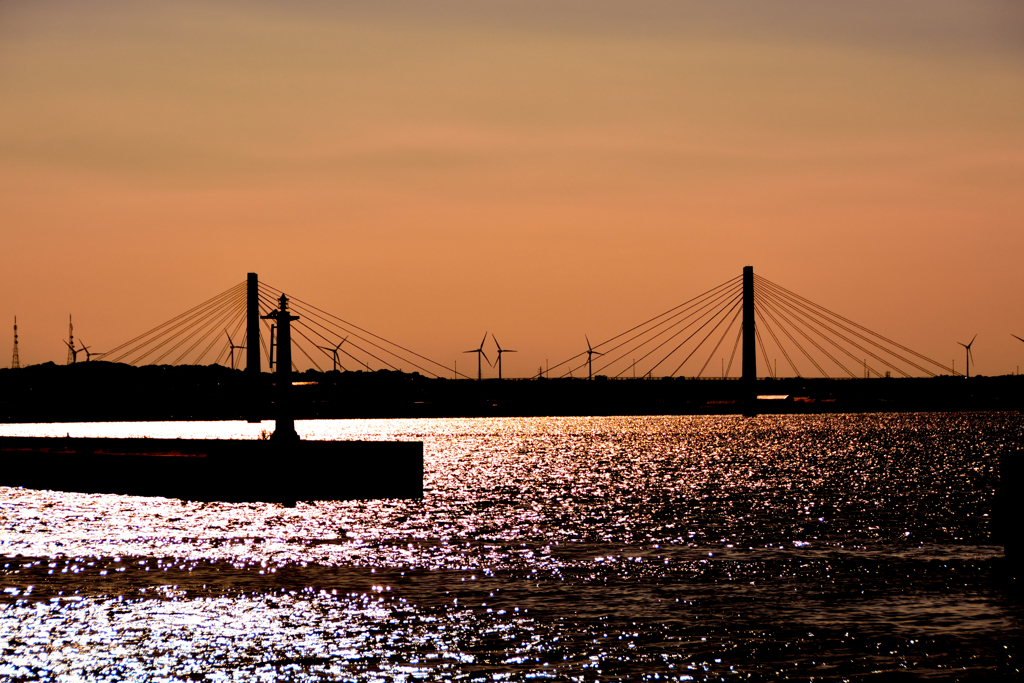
{"points": [[100, 391]]}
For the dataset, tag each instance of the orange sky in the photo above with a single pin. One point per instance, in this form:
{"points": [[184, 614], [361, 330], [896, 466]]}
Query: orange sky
{"points": [[540, 170]]}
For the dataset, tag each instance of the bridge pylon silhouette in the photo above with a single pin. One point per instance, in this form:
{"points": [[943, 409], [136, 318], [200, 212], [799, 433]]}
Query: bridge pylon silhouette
{"points": [[196, 337], [748, 370], [771, 321], [784, 336]]}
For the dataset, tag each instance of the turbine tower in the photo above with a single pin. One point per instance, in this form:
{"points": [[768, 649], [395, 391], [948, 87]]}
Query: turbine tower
{"points": [[500, 351], [480, 352], [88, 354], [590, 358], [334, 352], [15, 363], [970, 356], [232, 346]]}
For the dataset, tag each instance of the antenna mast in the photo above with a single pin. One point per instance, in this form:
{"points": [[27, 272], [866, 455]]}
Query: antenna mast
{"points": [[71, 341], [15, 363]]}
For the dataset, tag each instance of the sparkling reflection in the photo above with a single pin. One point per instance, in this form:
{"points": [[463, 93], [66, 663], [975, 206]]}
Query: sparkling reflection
{"points": [[682, 548]]}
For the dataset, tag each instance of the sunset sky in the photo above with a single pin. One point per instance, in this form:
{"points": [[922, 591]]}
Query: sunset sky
{"points": [[539, 170]]}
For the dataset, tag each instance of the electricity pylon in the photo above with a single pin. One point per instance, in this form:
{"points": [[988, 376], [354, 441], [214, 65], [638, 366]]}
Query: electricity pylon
{"points": [[15, 363], [72, 353]]}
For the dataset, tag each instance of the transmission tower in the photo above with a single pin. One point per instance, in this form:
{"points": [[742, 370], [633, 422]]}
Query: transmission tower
{"points": [[71, 341], [15, 363]]}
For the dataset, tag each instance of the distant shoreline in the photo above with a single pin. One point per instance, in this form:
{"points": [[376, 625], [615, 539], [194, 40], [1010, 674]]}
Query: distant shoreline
{"points": [[109, 392]]}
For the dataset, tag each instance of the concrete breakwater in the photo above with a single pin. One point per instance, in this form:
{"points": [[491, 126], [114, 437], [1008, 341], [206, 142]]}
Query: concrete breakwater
{"points": [[216, 469]]}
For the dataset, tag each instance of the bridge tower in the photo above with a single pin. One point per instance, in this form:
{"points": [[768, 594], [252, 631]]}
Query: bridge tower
{"points": [[15, 363], [749, 376], [252, 326]]}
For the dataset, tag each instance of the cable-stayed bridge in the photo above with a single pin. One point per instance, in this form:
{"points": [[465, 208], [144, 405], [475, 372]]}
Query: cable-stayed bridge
{"points": [[213, 330], [685, 341], [812, 340]]}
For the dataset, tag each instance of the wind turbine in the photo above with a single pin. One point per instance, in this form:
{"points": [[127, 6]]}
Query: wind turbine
{"points": [[231, 343], [590, 358], [334, 352], [970, 356], [480, 352], [500, 351], [88, 354]]}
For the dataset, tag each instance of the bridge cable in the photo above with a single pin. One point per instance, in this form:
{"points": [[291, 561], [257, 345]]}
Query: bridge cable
{"points": [[757, 333], [861, 327], [196, 328], [787, 309], [239, 315], [793, 323], [345, 322], [768, 312], [330, 356], [720, 340], [709, 301], [738, 297], [826, 323], [187, 327], [736, 303], [636, 327], [225, 352], [159, 331], [297, 328], [768, 327], [212, 328], [312, 317], [226, 292], [739, 335], [861, 348], [714, 300], [182, 327], [653, 327]]}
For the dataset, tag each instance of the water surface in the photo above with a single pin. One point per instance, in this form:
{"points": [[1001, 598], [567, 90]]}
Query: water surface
{"points": [[644, 548]]}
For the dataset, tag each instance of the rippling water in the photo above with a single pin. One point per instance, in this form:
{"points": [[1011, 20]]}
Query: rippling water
{"points": [[648, 548]]}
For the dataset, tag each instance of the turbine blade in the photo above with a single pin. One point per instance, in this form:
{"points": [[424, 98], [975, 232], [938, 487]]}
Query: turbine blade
{"points": [[588, 342], [485, 357], [972, 339], [495, 341], [1016, 337], [483, 341]]}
